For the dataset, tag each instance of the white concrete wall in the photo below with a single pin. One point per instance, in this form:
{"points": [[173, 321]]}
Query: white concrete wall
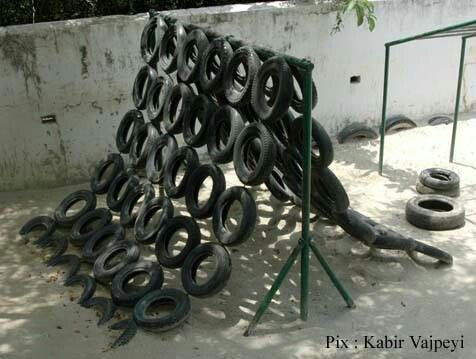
{"points": [[82, 72]]}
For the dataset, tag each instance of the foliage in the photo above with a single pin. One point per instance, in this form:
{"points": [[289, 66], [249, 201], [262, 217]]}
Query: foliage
{"points": [[364, 10]]}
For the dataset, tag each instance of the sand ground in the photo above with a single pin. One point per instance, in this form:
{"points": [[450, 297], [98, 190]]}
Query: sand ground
{"points": [[394, 296]]}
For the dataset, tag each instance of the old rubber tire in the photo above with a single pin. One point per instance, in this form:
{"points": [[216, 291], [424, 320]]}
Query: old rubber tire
{"points": [[439, 179], [267, 154], [211, 74], [125, 134], [277, 186], [144, 79], [163, 253], [277, 105], [128, 297], [216, 282], [169, 47], [328, 193], [128, 217], [46, 223], [146, 235], [115, 198], [398, 123], [60, 215], [166, 296], [248, 219], [201, 111], [100, 240], [99, 181], [104, 273], [422, 189], [440, 120], [179, 93], [320, 141], [192, 192], [355, 131], [237, 89], [188, 62], [150, 39], [186, 156], [434, 212], [157, 158], [156, 96], [225, 127], [297, 103], [79, 236], [141, 144]]}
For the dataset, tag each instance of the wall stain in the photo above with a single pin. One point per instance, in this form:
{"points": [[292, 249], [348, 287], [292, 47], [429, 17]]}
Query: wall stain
{"points": [[109, 58], [84, 61], [95, 105], [20, 51]]}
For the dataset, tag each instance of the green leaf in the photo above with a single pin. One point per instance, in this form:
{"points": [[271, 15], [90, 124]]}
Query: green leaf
{"points": [[371, 22], [350, 5], [360, 15]]}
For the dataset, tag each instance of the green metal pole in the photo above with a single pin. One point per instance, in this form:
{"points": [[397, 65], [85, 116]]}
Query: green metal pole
{"points": [[384, 109], [274, 288], [343, 292], [306, 192], [458, 97]]}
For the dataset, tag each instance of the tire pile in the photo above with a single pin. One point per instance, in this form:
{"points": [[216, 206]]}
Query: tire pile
{"points": [[244, 106]]}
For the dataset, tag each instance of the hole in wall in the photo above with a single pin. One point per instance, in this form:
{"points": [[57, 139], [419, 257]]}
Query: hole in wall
{"points": [[355, 79]]}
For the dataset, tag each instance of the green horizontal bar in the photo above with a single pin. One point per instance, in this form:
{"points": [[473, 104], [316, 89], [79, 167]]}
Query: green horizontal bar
{"points": [[429, 33]]}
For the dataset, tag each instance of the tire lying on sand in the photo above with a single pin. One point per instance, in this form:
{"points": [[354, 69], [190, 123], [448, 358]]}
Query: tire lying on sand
{"points": [[422, 189], [435, 212], [101, 240], [398, 123], [145, 231], [128, 216], [81, 231], [64, 220], [46, 223], [164, 296], [245, 227], [356, 131], [440, 120], [215, 282], [439, 179]]}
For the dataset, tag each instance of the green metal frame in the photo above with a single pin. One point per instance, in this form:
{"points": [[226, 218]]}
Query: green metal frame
{"points": [[304, 244], [464, 30]]}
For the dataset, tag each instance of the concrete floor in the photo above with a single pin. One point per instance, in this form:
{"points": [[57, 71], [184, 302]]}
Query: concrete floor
{"points": [[394, 296]]}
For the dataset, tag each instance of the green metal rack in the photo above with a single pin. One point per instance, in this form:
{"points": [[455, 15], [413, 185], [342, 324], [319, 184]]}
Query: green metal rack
{"points": [[305, 244], [465, 31]]}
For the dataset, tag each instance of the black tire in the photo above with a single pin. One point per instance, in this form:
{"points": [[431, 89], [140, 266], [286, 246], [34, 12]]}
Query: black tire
{"points": [[329, 193], [188, 62], [297, 102], [144, 79], [164, 323], [157, 158], [430, 251], [211, 74], [163, 253], [320, 140], [184, 155], [435, 212], [103, 273], [142, 142], [192, 191], [156, 96], [73, 262], [150, 39], [238, 88], [356, 225], [267, 155], [88, 283], [115, 198], [180, 92], [398, 123], [123, 296], [106, 306], [124, 135], [439, 179], [422, 189], [355, 131], [45, 222], [440, 120], [277, 186], [216, 282], [225, 127], [142, 233], [99, 184], [60, 245], [277, 105], [70, 200], [202, 110], [79, 236], [100, 240], [248, 220], [128, 217], [169, 47]]}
